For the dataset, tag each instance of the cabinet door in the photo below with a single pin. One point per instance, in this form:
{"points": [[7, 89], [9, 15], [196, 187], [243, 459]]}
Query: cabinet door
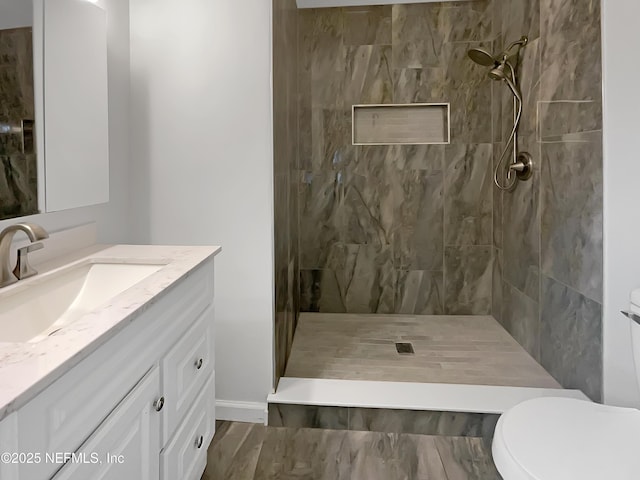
{"points": [[9, 444], [185, 457], [125, 446]]}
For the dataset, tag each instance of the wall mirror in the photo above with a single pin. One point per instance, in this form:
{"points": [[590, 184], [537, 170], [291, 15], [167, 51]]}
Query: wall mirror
{"points": [[54, 138], [18, 168]]}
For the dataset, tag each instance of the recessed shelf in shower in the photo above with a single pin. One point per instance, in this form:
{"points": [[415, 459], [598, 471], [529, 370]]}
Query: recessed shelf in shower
{"points": [[408, 124]]}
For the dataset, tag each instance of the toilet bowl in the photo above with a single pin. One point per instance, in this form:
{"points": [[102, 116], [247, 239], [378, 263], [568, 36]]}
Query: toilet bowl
{"points": [[568, 439]]}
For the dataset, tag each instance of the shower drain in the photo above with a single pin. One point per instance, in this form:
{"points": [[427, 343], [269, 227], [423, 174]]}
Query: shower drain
{"points": [[405, 349]]}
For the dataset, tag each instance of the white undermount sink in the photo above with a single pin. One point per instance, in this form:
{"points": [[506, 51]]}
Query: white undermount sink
{"points": [[52, 301]]}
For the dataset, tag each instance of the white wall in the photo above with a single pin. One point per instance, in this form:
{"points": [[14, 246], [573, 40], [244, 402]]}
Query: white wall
{"points": [[113, 217], [15, 14], [202, 158], [621, 187]]}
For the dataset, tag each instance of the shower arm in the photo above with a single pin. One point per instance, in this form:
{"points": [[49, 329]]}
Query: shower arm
{"points": [[518, 43]]}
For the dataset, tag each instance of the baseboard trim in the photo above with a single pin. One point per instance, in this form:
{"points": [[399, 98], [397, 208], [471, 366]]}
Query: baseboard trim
{"points": [[248, 412]]}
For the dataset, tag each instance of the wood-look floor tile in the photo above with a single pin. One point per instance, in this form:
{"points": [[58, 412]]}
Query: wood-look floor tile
{"points": [[254, 452], [234, 451], [466, 459], [303, 453], [383, 456]]}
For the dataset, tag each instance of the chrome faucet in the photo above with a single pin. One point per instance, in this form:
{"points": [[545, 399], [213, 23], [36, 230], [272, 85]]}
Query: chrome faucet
{"points": [[22, 269]]}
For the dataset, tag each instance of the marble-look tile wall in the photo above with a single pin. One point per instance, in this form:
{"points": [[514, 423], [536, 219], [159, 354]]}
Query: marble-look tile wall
{"points": [[548, 231], [419, 422], [456, 424], [18, 172], [395, 229], [285, 101]]}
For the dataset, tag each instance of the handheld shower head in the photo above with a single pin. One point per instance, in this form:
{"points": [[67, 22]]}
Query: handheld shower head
{"points": [[498, 72]]}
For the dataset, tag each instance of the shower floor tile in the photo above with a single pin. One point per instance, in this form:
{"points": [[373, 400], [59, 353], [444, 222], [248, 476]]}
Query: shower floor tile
{"points": [[473, 350]]}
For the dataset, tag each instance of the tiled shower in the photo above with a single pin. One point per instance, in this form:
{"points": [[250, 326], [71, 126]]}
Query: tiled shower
{"points": [[421, 229]]}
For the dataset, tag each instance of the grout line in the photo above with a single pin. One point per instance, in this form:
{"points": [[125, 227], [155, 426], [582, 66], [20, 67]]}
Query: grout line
{"points": [[444, 230], [540, 274], [569, 287], [507, 282], [454, 245], [540, 190]]}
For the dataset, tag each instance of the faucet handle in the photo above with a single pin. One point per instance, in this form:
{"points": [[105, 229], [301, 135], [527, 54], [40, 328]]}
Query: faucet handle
{"points": [[23, 268]]}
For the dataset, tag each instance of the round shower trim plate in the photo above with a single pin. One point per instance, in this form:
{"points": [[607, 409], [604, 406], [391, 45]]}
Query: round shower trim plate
{"points": [[527, 160]]}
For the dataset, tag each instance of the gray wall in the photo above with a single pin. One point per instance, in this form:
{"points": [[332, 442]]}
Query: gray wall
{"points": [[285, 101], [548, 231], [395, 229]]}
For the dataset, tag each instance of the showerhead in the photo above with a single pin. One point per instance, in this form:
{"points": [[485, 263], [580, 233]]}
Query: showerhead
{"points": [[482, 57], [498, 73]]}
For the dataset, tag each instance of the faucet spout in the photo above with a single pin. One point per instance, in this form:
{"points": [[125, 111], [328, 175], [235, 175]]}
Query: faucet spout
{"points": [[35, 234]]}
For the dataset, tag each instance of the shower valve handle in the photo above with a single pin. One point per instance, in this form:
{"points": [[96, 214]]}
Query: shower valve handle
{"points": [[523, 167]]}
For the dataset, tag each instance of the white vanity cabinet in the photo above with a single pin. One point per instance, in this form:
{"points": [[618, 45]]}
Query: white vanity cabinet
{"points": [[141, 406], [9, 444], [126, 444]]}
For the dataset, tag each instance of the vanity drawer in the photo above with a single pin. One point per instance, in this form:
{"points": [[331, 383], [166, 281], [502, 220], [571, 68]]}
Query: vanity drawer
{"points": [[185, 370], [185, 457]]}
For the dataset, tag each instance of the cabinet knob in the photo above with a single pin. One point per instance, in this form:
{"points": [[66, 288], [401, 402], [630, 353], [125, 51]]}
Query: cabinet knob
{"points": [[199, 441], [158, 404], [199, 363]]}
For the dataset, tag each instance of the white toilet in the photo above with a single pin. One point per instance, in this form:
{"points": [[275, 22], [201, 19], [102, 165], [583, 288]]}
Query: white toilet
{"points": [[567, 439]]}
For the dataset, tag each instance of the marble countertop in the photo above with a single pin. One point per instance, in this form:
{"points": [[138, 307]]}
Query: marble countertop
{"points": [[26, 369]]}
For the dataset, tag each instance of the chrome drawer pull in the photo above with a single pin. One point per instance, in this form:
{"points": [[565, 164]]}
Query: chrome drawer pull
{"points": [[158, 404]]}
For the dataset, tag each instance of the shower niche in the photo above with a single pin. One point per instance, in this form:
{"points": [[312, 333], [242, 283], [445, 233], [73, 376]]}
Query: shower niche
{"points": [[394, 124]]}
